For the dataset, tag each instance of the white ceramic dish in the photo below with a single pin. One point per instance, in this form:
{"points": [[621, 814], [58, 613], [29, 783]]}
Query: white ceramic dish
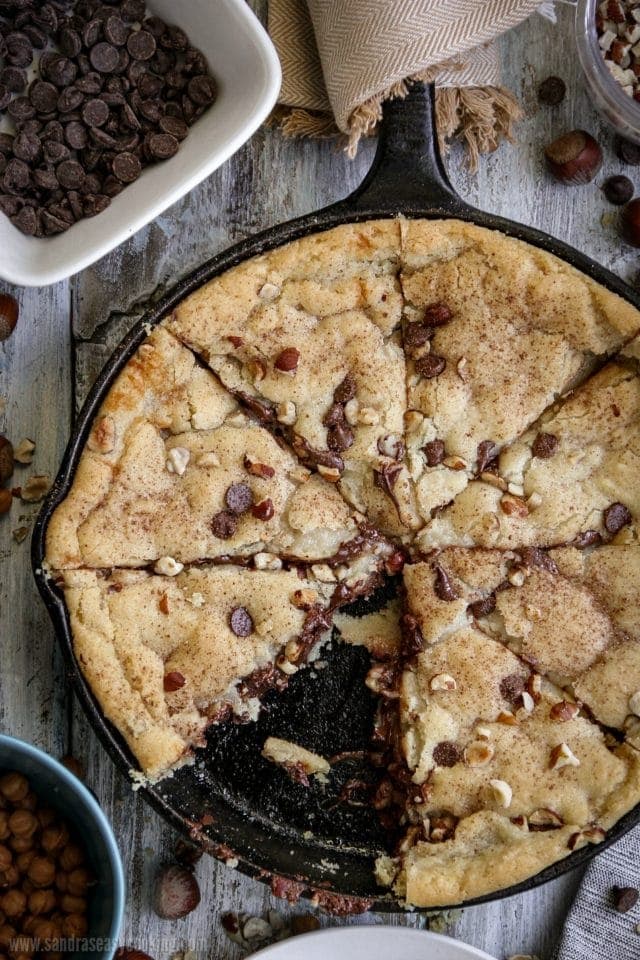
{"points": [[246, 68], [371, 943]]}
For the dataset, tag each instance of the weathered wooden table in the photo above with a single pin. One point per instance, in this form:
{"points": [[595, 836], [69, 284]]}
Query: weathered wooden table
{"points": [[66, 333]]}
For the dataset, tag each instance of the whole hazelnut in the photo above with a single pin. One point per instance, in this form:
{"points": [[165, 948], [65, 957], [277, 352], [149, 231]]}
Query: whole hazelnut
{"points": [[4, 825], [9, 877], [54, 838], [14, 787], [79, 881], [9, 312], [23, 860], [22, 823], [6, 857], [28, 802], [574, 158], [13, 903], [46, 929], [46, 816], [71, 857], [21, 844], [630, 223], [71, 904], [7, 934], [5, 500], [41, 901], [42, 871], [75, 925], [6, 459]]}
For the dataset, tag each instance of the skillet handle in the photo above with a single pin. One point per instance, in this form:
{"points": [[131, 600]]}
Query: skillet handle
{"points": [[407, 174]]}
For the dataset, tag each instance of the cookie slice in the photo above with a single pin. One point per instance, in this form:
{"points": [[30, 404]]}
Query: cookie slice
{"points": [[168, 656], [495, 331], [308, 337], [573, 476], [483, 744], [174, 472]]}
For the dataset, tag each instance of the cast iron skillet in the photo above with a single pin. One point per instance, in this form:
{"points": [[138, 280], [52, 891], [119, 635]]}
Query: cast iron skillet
{"points": [[235, 804]]}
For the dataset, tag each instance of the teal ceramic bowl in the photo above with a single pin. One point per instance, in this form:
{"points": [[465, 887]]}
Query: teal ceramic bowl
{"points": [[60, 789]]}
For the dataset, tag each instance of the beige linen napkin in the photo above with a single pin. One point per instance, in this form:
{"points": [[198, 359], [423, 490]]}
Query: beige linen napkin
{"points": [[342, 58]]}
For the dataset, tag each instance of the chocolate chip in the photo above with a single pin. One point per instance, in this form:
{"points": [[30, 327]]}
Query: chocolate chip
{"points": [[386, 476], [5, 96], [21, 109], [149, 86], [70, 174], [628, 152], [76, 135], [487, 452], [339, 437], [133, 10], [345, 391], [91, 84], [624, 898], [126, 167], [535, 557], [19, 49], [10, 205], [162, 145], [141, 45], [37, 36], [116, 31], [69, 100], [224, 524], [446, 754], [240, 622], [27, 147], [512, 687], [173, 125], [6, 143], [238, 498], [52, 224], [94, 204], [616, 517], [16, 176], [437, 314], [434, 452], [545, 445], [54, 152], [430, 366], [60, 71], [95, 113], [91, 32], [26, 221], [482, 608], [263, 510], [43, 96], [444, 587], [155, 25], [416, 335], [552, 91], [202, 90], [14, 79], [150, 110], [104, 57], [587, 538], [70, 42]]}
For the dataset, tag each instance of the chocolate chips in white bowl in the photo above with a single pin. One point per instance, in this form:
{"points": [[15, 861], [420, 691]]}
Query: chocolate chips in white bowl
{"points": [[90, 94]]}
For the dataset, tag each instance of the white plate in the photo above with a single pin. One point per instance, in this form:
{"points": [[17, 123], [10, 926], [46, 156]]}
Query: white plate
{"points": [[371, 943], [246, 68]]}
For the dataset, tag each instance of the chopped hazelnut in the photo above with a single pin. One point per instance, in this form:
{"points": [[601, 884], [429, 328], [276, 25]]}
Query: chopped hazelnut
{"points": [[478, 753], [455, 463], [35, 488], [286, 413], [177, 460], [442, 681], [268, 291], [208, 460], [102, 438], [513, 506], [168, 567], [634, 703], [304, 598], [562, 756], [501, 792], [23, 453], [331, 474]]}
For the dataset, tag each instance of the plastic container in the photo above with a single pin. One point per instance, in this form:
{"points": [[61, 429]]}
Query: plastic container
{"points": [[622, 111]]}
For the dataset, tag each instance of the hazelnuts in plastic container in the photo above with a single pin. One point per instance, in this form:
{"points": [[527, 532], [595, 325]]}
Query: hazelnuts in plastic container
{"points": [[44, 879]]}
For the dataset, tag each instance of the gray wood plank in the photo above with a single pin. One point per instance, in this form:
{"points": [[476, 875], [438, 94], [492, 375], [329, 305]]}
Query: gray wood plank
{"points": [[35, 387]]}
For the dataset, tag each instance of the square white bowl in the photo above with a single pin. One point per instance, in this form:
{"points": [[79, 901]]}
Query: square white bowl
{"points": [[246, 68]]}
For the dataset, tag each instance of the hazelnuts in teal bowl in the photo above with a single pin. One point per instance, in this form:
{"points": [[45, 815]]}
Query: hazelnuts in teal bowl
{"points": [[59, 789]]}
